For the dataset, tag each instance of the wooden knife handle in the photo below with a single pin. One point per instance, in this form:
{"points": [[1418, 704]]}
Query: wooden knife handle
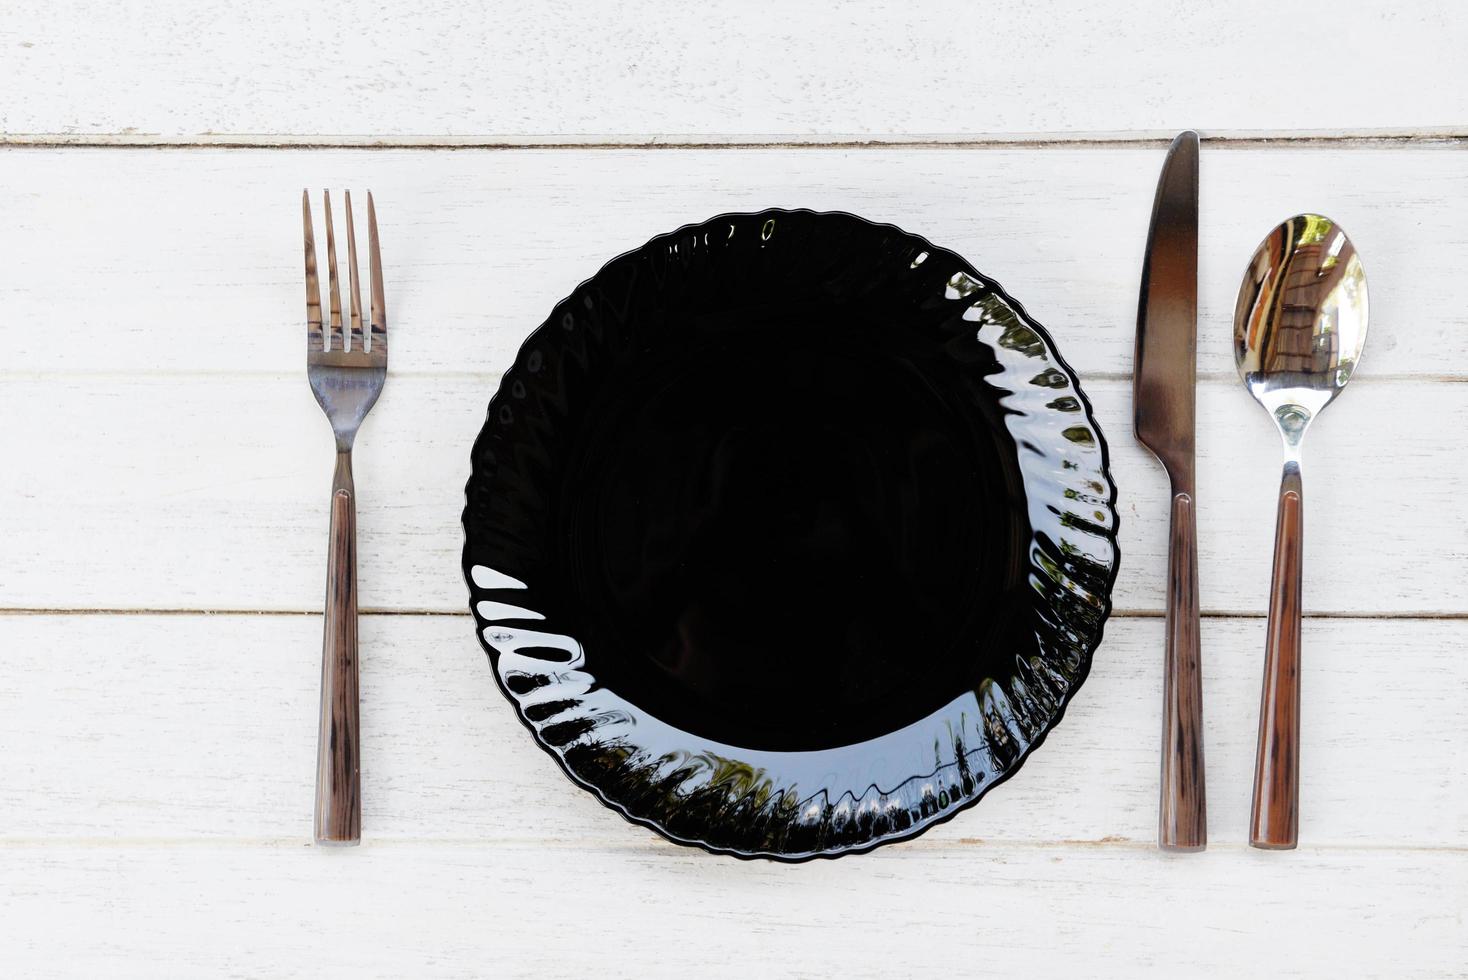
{"points": [[338, 774], [1183, 812], [1275, 822]]}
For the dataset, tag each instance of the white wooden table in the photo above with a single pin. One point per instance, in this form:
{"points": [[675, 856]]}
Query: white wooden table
{"points": [[164, 474]]}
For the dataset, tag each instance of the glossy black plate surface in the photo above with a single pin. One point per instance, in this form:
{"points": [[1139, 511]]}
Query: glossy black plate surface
{"points": [[789, 534]]}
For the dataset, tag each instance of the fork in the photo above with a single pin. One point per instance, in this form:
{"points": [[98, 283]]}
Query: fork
{"points": [[346, 375]]}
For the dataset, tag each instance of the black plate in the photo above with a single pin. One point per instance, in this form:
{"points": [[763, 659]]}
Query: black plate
{"points": [[789, 534]]}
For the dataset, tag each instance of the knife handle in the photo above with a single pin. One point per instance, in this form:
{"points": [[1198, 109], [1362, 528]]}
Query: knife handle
{"points": [[1183, 812], [1275, 821]]}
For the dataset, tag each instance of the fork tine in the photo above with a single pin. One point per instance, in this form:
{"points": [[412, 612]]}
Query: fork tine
{"points": [[374, 260], [336, 293], [313, 284], [356, 281]]}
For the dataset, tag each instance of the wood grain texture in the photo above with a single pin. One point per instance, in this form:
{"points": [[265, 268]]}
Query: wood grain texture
{"points": [[571, 70], [142, 289], [339, 741], [174, 465], [460, 910], [1274, 821], [1182, 821], [102, 714], [481, 245]]}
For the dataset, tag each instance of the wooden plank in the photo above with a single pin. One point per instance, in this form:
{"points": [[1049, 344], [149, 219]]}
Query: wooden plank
{"points": [[458, 910], [210, 492], [764, 70], [136, 728], [161, 451], [145, 260]]}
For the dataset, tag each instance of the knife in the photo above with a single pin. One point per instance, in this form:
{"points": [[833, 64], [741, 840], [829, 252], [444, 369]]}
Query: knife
{"points": [[1163, 401]]}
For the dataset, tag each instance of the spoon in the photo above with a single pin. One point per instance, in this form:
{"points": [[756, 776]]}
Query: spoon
{"points": [[1299, 328]]}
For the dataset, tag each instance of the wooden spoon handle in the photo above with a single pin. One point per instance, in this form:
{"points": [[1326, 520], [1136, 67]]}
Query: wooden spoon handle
{"points": [[1275, 822], [1183, 811]]}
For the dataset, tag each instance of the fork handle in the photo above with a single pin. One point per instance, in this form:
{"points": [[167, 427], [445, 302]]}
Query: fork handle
{"points": [[1182, 823], [1275, 821], [338, 774]]}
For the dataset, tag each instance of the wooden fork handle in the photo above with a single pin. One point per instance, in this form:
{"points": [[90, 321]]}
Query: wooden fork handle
{"points": [[1275, 822], [1183, 810], [338, 775]]}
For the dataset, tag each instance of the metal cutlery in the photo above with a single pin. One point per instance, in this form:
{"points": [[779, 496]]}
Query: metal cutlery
{"points": [[346, 370], [1163, 404], [1299, 329]]}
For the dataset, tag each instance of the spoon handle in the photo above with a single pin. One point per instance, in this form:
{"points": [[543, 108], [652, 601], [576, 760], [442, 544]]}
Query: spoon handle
{"points": [[1183, 813], [1275, 823]]}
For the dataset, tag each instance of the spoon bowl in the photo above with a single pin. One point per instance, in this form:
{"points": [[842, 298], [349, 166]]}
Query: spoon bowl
{"points": [[1300, 323], [1299, 329]]}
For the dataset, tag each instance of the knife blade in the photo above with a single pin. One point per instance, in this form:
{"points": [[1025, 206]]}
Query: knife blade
{"points": [[1167, 314], [1164, 411]]}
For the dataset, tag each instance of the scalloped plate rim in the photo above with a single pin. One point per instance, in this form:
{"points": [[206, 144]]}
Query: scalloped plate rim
{"points": [[1083, 671]]}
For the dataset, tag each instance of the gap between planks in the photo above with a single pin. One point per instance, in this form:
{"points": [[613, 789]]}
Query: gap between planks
{"points": [[1445, 136], [494, 377], [464, 613], [657, 846]]}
